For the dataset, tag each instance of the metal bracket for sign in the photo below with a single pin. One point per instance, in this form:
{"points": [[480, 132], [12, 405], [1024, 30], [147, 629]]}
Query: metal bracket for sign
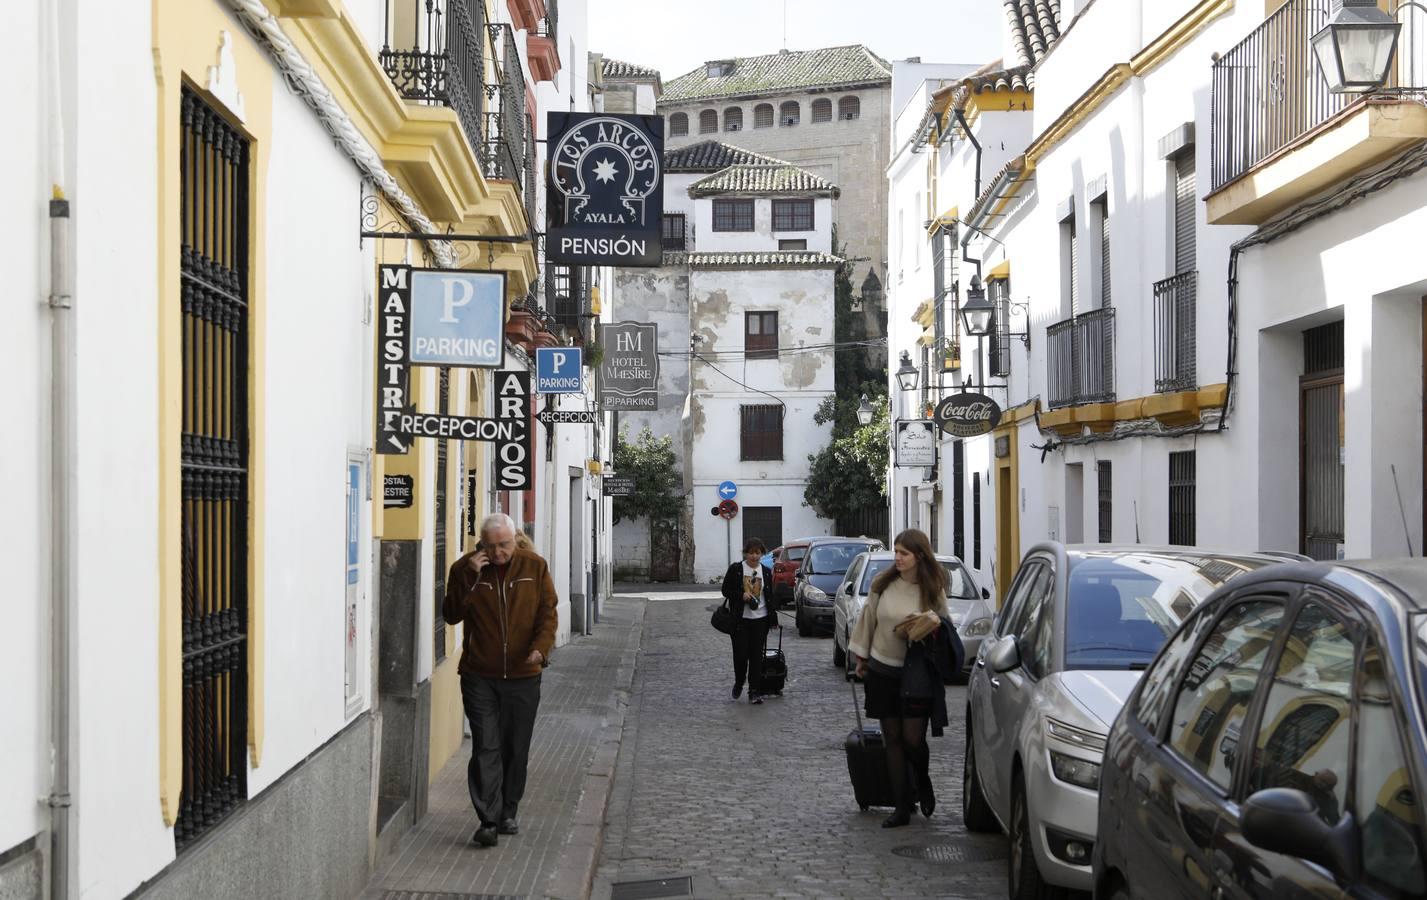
{"points": [[451, 236]]}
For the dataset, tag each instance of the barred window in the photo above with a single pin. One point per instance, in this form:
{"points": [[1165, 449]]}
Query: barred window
{"points": [[678, 125], [675, 231], [1106, 490], [733, 119], [763, 115], [708, 122], [822, 110], [789, 113], [760, 335], [793, 244], [733, 215], [1181, 498], [1001, 327], [761, 432], [792, 215], [438, 535], [764, 523], [849, 108]]}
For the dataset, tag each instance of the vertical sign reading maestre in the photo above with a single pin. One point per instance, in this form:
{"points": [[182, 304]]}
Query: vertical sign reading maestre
{"points": [[606, 189], [514, 470], [393, 316], [629, 375]]}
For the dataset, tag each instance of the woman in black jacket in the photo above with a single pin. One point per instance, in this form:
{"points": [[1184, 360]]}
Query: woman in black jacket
{"points": [[746, 587]]}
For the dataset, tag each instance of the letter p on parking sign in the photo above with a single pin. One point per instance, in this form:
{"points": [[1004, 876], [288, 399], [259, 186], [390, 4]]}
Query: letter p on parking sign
{"points": [[559, 370]]}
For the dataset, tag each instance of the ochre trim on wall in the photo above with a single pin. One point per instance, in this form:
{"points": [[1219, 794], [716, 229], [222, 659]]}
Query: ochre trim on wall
{"points": [[185, 38], [1179, 34]]}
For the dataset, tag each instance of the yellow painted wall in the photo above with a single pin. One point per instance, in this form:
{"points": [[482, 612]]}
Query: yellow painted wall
{"points": [[186, 38]]}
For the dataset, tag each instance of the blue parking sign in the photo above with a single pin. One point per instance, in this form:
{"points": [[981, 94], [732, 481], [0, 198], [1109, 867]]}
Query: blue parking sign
{"points": [[559, 370], [457, 318]]}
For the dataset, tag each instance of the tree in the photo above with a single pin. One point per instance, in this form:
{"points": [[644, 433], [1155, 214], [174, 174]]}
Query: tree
{"points": [[658, 488], [849, 474]]}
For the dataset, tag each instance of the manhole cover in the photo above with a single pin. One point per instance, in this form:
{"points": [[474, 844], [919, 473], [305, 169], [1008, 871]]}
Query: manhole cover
{"points": [[438, 895], [652, 889], [954, 853]]}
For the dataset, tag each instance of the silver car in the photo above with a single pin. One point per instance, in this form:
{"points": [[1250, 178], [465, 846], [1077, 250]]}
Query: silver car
{"points": [[970, 606], [1078, 627]]}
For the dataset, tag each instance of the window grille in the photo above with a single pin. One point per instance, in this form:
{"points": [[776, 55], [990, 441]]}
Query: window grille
{"points": [[733, 215], [1102, 472], [1323, 348], [1072, 264], [849, 108], [761, 432], [678, 125], [760, 335], [675, 231], [976, 520], [789, 113], [1181, 498], [213, 455], [822, 110], [438, 534], [764, 523], [763, 115], [1001, 328], [708, 122], [958, 499], [733, 119], [793, 215]]}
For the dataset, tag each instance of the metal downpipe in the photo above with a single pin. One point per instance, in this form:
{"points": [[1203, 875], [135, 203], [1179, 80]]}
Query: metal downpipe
{"points": [[61, 301]]}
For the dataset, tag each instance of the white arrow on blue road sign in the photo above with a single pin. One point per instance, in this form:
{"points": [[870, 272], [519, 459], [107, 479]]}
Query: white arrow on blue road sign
{"points": [[727, 491]]}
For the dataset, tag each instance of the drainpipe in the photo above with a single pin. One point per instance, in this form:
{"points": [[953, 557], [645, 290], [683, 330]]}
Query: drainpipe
{"points": [[966, 130]]}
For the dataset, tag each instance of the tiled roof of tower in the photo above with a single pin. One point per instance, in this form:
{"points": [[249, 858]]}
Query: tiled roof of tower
{"points": [[712, 156], [621, 70], [784, 71], [1035, 27], [762, 178], [771, 259]]}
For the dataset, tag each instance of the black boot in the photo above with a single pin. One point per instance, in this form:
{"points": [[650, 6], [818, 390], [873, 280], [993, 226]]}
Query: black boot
{"points": [[902, 792], [926, 797]]}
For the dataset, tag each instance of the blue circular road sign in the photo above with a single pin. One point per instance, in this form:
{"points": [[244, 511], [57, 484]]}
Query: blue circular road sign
{"points": [[727, 491]]}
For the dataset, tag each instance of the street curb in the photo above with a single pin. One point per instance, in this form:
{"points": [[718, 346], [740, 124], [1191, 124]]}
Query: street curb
{"points": [[574, 875]]}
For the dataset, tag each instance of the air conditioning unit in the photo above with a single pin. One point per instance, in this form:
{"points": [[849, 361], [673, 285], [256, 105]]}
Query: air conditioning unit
{"points": [[791, 120]]}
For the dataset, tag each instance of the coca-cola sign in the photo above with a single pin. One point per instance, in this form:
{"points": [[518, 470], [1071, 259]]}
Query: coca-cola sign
{"points": [[967, 415]]}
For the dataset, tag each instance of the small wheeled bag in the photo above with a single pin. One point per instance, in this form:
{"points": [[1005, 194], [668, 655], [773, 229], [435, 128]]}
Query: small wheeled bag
{"points": [[867, 762], [775, 666]]}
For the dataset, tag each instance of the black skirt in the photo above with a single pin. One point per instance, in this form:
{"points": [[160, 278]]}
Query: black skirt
{"points": [[885, 700]]}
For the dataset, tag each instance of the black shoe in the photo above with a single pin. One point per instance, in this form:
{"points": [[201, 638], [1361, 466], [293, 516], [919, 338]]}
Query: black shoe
{"points": [[755, 699], [898, 818], [927, 799], [738, 690], [485, 836], [508, 826]]}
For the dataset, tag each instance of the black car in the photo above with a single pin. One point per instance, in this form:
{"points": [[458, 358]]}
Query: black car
{"points": [[818, 578], [1277, 746]]}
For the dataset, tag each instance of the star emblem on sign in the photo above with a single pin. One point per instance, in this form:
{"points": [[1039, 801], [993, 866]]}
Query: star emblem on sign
{"points": [[604, 170]]}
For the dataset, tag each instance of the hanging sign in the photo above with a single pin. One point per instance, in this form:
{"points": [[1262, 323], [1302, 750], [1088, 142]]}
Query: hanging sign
{"points": [[916, 443], [393, 373], [459, 428], [514, 466], [619, 486], [967, 415], [606, 188], [572, 417], [559, 370], [629, 374], [457, 318]]}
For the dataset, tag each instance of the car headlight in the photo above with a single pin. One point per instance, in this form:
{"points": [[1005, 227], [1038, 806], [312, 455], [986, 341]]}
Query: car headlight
{"points": [[978, 628], [1076, 737], [1072, 770], [814, 593]]}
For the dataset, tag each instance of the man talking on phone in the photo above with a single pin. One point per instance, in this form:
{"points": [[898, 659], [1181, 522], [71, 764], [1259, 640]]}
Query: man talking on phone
{"points": [[506, 599]]}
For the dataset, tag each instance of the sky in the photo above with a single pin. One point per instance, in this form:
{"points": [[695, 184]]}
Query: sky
{"points": [[676, 36]]}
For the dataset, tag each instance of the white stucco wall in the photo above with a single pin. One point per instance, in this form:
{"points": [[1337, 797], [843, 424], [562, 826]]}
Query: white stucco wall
{"points": [[762, 237]]}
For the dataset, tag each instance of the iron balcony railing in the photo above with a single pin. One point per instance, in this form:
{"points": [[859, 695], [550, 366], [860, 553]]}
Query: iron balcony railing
{"points": [[1081, 358], [432, 51], [1268, 90], [1175, 307], [678, 233], [567, 297], [549, 25], [507, 152]]}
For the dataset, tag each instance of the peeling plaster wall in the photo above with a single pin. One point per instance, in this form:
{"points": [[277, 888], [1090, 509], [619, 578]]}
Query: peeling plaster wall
{"points": [[763, 237]]}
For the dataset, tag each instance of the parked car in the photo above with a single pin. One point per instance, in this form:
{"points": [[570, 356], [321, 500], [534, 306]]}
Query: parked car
{"points": [[766, 560], [822, 570], [1277, 746], [970, 606], [1078, 627], [785, 569]]}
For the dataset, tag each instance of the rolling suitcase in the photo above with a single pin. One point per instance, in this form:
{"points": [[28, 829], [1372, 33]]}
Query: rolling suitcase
{"points": [[867, 762], [775, 666]]}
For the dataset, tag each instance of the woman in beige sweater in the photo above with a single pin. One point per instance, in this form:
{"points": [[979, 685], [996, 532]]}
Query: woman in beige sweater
{"points": [[907, 603]]}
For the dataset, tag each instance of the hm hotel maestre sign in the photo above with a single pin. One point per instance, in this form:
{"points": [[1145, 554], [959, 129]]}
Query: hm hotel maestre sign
{"points": [[606, 181]]}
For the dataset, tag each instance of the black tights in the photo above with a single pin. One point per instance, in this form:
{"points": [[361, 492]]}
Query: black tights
{"points": [[908, 757]]}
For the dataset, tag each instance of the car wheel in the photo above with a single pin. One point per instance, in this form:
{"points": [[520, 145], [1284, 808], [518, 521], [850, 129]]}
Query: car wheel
{"points": [[839, 656], [1023, 877], [803, 628], [975, 811]]}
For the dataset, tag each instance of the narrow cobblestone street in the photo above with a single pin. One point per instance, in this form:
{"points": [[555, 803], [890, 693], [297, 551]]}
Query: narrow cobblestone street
{"points": [[754, 801]]}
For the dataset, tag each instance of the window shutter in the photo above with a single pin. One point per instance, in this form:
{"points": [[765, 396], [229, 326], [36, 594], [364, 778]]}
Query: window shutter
{"points": [[1104, 255], [1074, 271], [1184, 209]]}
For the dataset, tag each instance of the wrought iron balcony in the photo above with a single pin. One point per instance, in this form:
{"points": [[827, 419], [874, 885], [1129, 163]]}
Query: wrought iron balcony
{"points": [[1081, 356], [678, 233], [1174, 344], [567, 296], [1268, 90], [507, 153], [432, 51]]}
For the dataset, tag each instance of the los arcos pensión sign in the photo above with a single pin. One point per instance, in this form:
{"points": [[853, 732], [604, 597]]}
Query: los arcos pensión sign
{"points": [[967, 415]]}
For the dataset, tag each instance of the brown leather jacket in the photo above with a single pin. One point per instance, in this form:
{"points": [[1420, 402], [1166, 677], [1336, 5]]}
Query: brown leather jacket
{"points": [[505, 618]]}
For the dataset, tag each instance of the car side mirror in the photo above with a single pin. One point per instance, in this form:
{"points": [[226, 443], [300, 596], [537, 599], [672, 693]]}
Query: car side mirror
{"points": [[1285, 820], [985, 593], [1004, 655]]}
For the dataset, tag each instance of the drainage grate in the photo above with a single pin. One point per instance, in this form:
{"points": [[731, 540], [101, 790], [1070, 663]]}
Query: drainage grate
{"points": [[954, 853], [439, 895], [650, 890]]}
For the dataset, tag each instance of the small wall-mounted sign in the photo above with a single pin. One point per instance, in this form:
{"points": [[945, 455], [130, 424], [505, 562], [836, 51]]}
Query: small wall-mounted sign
{"points": [[397, 491], [916, 443], [967, 415], [619, 486], [1003, 446]]}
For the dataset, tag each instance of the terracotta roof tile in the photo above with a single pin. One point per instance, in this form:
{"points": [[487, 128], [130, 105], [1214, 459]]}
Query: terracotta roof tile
{"points": [[1035, 27], [763, 178], [618, 69], [712, 156], [776, 259], [777, 72]]}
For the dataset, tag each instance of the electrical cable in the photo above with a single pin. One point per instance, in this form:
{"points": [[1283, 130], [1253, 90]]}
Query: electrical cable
{"points": [[746, 387]]}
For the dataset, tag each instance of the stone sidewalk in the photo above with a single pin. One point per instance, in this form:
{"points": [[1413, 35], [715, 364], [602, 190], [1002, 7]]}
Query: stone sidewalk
{"points": [[584, 696]]}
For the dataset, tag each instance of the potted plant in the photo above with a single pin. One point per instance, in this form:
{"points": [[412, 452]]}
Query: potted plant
{"points": [[522, 326], [594, 355]]}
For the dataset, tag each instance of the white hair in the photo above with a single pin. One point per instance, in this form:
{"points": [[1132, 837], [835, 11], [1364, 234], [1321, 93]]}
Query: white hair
{"points": [[497, 520]]}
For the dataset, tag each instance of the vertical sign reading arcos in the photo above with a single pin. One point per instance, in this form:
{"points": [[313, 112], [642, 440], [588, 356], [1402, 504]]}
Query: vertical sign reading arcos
{"points": [[629, 375], [606, 189], [513, 465], [393, 318]]}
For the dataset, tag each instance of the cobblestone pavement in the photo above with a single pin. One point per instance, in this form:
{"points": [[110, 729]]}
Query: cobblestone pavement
{"points": [[754, 801]]}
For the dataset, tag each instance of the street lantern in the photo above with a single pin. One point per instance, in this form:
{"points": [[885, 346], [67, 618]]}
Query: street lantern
{"points": [[865, 412], [977, 311], [907, 373], [1355, 48]]}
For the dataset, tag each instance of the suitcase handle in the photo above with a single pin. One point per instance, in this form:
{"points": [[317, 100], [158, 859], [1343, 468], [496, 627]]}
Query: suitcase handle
{"points": [[780, 639], [857, 711]]}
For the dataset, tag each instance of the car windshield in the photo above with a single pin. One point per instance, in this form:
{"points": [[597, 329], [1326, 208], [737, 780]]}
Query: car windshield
{"points": [[792, 554], [1121, 609], [832, 559], [958, 583]]}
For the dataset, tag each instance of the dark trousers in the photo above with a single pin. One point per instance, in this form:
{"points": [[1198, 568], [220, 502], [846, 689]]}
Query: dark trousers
{"points": [[748, 643], [502, 714]]}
